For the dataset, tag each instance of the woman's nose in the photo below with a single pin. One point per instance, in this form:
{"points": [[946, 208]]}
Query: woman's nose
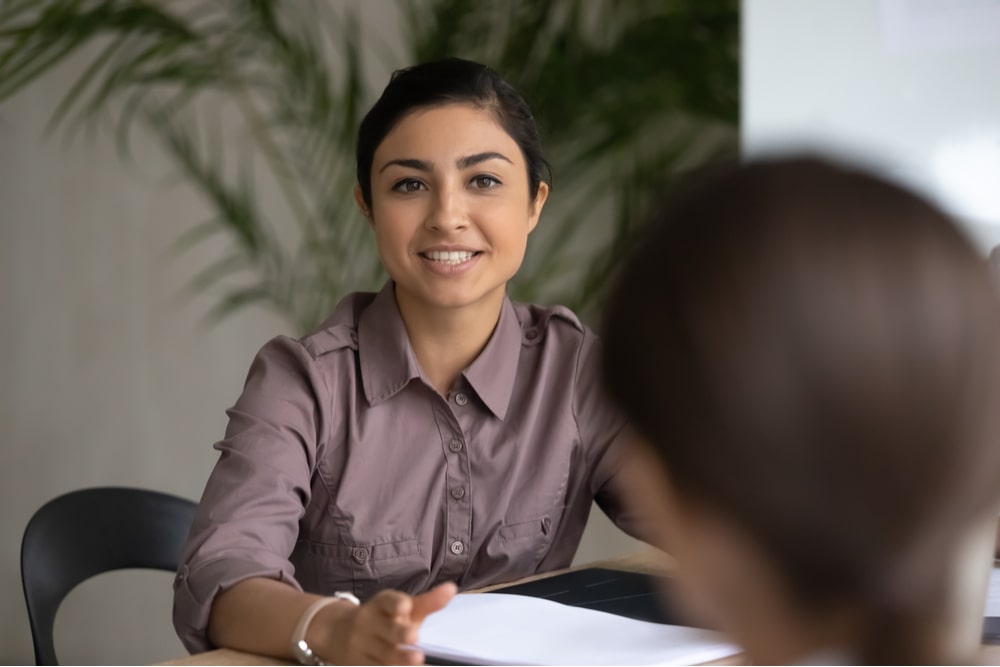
{"points": [[447, 213]]}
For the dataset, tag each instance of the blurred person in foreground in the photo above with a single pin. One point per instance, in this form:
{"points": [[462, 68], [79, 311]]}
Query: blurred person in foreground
{"points": [[812, 358]]}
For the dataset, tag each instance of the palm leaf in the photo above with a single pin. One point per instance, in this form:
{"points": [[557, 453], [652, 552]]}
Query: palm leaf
{"points": [[627, 93]]}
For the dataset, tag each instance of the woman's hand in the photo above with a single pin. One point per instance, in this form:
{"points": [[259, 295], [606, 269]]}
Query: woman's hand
{"points": [[379, 632]]}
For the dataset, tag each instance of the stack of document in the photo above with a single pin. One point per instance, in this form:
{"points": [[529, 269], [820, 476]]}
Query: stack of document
{"points": [[991, 624], [503, 629], [993, 593]]}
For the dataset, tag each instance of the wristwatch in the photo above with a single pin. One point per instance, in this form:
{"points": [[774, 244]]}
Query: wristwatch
{"points": [[300, 648]]}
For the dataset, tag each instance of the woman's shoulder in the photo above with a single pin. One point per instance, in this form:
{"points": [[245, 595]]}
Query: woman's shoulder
{"points": [[562, 337], [539, 322], [340, 330]]}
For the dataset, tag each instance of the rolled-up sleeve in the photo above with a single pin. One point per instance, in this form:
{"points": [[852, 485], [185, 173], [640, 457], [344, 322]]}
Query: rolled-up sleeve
{"points": [[248, 519]]}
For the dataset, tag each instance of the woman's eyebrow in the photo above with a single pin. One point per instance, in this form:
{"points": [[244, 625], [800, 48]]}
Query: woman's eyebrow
{"points": [[470, 160], [412, 163], [461, 163]]}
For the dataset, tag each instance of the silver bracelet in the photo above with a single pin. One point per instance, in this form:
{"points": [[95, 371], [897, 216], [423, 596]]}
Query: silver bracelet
{"points": [[300, 648]]}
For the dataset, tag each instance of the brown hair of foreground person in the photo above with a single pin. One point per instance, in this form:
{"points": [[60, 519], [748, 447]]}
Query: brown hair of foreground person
{"points": [[810, 354]]}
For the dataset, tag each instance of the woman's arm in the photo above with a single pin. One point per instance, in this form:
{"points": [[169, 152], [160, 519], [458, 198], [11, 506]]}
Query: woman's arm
{"points": [[235, 586], [259, 615]]}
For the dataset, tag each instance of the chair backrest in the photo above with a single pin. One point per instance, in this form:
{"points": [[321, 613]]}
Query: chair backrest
{"points": [[84, 533]]}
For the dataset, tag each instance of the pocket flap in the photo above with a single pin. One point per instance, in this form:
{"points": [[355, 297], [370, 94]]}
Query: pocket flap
{"points": [[382, 551], [525, 529]]}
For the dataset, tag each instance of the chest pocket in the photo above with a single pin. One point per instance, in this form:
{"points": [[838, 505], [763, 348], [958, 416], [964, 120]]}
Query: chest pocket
{"points": [[518, 547], [399, 565]]}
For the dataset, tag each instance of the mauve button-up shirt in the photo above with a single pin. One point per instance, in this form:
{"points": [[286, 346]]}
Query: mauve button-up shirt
{"points": [[342, 469]]}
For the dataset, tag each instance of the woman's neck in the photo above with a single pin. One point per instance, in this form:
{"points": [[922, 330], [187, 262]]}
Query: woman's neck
{"points": [[446, 340]]}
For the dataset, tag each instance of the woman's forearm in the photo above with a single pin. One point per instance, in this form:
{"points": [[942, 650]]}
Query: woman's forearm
{"points": [[259, 615]]}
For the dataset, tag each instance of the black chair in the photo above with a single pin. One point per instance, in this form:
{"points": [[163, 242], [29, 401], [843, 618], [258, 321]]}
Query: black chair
{"points": [[85, 533]]}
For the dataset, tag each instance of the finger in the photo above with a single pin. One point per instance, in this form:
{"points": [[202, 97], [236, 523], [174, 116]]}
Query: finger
{"points": [[432, 601], [393, 632], [401, 632], [393, 604], [408, 656], [394, 655], [409, 635], [375, 634], [381, 644]]}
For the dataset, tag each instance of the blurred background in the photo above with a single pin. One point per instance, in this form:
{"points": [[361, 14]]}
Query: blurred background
{"points": [[176, 180], [175, 186]]}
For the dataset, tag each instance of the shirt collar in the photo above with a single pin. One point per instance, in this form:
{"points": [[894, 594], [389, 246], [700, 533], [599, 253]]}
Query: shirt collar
{"points": [[384, 350], [493, 372], [388, 362]]}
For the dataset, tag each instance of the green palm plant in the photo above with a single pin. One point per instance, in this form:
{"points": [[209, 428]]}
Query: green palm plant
{"points": [[254, 95]]}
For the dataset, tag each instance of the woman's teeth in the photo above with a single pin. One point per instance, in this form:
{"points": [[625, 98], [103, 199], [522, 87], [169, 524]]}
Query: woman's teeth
{"points": [[449, 256]]}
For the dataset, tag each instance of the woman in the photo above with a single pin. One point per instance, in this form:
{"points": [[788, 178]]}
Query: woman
{"points": [[434, 432], [812, 358]]}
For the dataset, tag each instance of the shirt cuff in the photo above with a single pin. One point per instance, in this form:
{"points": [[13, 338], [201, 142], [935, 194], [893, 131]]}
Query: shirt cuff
{"points": [[195, 591]]}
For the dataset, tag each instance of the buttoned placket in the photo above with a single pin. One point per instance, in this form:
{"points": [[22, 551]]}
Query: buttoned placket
{"points": [[458, 480]]}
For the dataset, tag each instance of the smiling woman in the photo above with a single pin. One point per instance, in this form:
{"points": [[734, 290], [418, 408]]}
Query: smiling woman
{"points": [[432, 434]]}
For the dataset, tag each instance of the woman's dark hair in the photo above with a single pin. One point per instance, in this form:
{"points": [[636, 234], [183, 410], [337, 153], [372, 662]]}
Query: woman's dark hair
{"points": [[812, 352], [450, 81]]}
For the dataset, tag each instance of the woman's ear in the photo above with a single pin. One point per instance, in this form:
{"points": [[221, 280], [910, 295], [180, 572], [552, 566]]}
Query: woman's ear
{"points": [[537, 205], [359, 199]]}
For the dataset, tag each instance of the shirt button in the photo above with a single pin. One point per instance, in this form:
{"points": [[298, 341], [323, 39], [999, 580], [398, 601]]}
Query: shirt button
{"points": [[531, 334], [457, 548], [458, 493], [461, 399], [360, 555], [455, 445]]}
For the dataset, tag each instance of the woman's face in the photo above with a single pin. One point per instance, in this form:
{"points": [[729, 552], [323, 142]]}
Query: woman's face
{"points": [[451, 207]]}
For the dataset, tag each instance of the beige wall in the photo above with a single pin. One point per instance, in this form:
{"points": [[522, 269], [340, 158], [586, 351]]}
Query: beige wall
{"points": [[110, 374]]}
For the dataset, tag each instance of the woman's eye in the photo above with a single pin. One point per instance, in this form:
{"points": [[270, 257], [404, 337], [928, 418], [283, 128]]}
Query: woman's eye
{"points": [[408, 185], [484, 182]]}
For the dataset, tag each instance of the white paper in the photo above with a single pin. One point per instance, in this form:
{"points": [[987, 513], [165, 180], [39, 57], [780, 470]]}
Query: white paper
{"points": [[496, 628], [993, 594]]}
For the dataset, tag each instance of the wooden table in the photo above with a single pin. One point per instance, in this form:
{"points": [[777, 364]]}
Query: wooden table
{"points": [[649, 561]]}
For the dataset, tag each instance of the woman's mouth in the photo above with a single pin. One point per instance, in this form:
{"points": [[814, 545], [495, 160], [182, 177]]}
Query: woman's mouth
{"points": [[450, 257]]}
